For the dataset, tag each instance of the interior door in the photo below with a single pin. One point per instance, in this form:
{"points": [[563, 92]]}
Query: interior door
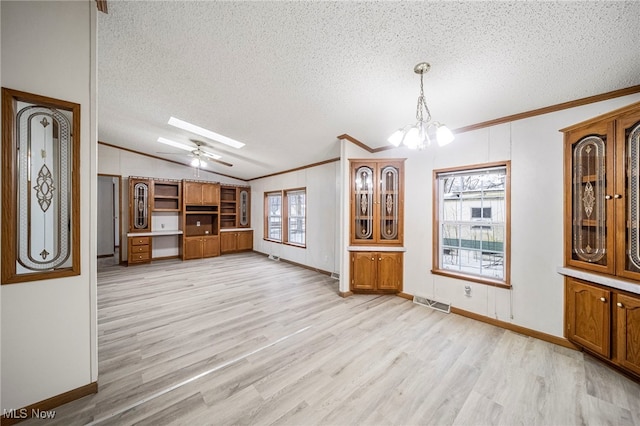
{"points": [[106, 215]]}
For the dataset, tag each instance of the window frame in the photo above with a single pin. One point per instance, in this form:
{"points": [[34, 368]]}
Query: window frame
{"points": [[285, 226], [294, 191], [268, 216], [505, 282]]}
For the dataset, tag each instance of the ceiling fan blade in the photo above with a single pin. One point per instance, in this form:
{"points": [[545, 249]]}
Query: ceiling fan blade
{"points": [[210, 154], [213, 160]]}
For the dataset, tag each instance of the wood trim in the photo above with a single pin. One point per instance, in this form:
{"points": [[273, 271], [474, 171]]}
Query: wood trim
{"points": [[356, 142], [405, 296], [102, 6], [609, 116], [9, 275], [133, 151], [291, 262], [308, 166], [50, 403], [514, 117], [552, 108], [560, 341], [119, 177], [345, 294]]}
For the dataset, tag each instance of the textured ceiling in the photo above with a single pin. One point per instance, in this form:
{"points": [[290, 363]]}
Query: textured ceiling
{"points": [[287, 77]]}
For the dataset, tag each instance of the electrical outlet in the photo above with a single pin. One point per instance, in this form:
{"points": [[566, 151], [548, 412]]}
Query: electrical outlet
{"points": [[467, 290], [197, 223]]}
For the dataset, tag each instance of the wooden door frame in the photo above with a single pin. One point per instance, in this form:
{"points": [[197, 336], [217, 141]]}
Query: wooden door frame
{"points": [[119, 177]]}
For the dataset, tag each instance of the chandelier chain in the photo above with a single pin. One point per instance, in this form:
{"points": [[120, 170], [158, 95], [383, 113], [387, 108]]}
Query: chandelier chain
{"points": [[422, 104]]}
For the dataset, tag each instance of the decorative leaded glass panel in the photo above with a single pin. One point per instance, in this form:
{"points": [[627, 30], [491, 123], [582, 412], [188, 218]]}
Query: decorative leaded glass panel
{"points": [[633, 198], [44, 149], [244, 207], [141, 205], [363, 203], [389, 180], [589, 183]]}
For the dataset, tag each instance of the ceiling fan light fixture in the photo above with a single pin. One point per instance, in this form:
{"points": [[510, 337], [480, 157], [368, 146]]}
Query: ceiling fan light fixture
{"points": [[197, 162], [184, 125], [416, 136]]}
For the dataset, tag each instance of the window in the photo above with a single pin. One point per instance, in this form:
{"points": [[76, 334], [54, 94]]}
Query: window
{"points": [[285, 216], [296, 202], [471, 223], [273, 216]]}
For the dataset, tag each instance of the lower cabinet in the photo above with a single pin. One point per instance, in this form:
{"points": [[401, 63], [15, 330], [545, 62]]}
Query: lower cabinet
{"points": [[138, 250], [376, 272], [605, 321], [232, 241], [201, 246]]}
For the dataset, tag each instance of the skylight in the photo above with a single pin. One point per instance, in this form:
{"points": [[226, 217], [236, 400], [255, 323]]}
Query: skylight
{"points": [[204, 132]]}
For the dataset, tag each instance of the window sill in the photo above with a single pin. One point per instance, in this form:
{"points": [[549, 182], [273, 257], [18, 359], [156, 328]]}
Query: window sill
{"points": [[472, 278]]}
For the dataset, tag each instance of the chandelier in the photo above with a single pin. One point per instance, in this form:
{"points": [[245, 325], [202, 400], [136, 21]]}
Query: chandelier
{"points": [[418, 135]]}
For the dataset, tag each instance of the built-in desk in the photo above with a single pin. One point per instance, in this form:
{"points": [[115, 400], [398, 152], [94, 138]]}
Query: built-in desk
{"points": [[140, 245]]}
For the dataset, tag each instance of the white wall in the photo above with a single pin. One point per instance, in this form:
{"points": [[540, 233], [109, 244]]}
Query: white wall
{"points": [[49, 343], [535, 148], [322, 216]]}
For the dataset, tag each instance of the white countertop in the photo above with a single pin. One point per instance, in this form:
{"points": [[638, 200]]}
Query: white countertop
{"points": [[605, 280], [155, 233], [375, 248]]}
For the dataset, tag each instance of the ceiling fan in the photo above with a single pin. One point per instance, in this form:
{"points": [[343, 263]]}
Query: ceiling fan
{"points": [[197, 151]]}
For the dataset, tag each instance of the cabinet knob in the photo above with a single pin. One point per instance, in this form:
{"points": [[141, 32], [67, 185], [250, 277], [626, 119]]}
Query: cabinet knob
{"points": [[602, 299], [372, 259], [380, 258], [620, 305], [617, 196], [607, 197]]}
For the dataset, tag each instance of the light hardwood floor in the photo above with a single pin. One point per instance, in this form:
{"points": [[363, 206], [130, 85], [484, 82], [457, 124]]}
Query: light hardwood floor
{"points": [[275, 344]]}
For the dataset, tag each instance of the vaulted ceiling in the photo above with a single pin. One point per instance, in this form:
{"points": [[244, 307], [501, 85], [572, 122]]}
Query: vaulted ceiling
{"points": [[286, 78]]}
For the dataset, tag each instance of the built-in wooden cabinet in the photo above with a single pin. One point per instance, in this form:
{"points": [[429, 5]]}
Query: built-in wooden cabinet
{"points": [[602, 194], [139, 204], [376, 225], [236, 240], [605, 321], [602, 236], [139, 250], [377, 202], [167, 195], [234, 206], [201, 193], [379, 272], [200, 219], [201, 246]]}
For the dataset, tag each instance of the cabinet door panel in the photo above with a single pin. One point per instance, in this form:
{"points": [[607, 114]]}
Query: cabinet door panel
{"points": [[192, 248], [628, 332], [628, 206], [210, 194], [389, 271], [228, 242], [363, 271], [590, 204], [588, 316], [192, 193], [245, 240], [210, 246]]}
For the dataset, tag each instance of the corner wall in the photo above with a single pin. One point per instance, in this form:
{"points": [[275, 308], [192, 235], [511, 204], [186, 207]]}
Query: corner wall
{"points": [[49, 340]]}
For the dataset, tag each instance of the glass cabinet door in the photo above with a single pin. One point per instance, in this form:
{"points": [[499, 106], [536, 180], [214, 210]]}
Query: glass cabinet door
{"points": [[140, 206], [363, 188], [628, 223], [591, 203], [244, 208], [388, 201]]}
